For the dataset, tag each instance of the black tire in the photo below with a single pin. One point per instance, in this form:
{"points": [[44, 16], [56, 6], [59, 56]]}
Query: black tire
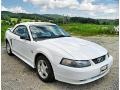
{"points": [[49, 70], [8, 46]]}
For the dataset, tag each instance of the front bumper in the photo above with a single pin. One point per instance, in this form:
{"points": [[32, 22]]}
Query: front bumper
{"points": [[82, 75]]}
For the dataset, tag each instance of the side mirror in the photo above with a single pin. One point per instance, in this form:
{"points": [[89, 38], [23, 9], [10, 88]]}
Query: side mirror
{"points": [[25, 36]]}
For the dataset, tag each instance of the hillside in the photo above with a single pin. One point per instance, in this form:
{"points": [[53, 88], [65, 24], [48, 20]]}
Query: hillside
{"points": [[56, 18], [5, 14]]}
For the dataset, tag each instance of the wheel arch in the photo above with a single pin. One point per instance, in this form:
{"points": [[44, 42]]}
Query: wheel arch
{"points": [[35, 61], [9, 41], [40, 54]]}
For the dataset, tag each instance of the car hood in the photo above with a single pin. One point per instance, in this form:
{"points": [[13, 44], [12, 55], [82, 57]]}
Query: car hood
{"points": [[80, 49]]}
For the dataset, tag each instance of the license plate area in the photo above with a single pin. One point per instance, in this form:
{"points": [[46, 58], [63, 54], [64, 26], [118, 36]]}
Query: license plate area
{"points": [[103, 68]]}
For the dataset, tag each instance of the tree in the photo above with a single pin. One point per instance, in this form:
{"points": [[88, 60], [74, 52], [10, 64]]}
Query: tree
{"points": [[19, 20], [116, 22], [13, 22]]}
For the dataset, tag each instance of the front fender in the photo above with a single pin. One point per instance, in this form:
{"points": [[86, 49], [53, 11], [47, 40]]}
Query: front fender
{"points": [[45, 52], [54, 55]]}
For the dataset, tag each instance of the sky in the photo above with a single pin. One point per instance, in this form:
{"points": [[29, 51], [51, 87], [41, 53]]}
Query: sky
{"points": [[99, 9]]}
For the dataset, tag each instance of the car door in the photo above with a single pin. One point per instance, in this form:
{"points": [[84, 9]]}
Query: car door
{"points": [[22, 47]]}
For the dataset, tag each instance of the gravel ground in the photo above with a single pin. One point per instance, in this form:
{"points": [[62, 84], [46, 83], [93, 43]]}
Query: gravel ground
{"points": [[16, 75]]}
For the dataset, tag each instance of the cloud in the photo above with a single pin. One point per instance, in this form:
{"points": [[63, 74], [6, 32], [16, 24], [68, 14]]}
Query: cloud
{"points": [[92, 14], [84, 5], [54, 3], [88, 6], [16, 9], [4, 9]]}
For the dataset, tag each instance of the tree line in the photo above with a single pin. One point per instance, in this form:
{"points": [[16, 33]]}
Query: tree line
{"points": [[59, 19]]}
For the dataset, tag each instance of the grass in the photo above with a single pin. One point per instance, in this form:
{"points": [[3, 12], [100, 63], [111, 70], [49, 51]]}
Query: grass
{"points": [[88, 29], [26, 20], [14, 19], [76, 29], [22, 20]]}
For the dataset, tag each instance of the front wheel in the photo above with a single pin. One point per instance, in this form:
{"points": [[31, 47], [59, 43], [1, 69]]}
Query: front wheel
{"points": [[44, 69], [8, 48]]}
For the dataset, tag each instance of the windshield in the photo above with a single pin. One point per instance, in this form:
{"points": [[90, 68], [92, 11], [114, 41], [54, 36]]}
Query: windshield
{"points": [[47, 31]]}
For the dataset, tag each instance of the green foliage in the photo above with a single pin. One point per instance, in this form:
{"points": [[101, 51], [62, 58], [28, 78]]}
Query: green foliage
{"points": [[19, 20], [24, 15], [83, 20], [3, 30], [5, 15], [88, 29]]}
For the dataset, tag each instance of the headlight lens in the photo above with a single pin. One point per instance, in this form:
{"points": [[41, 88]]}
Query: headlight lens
{"points": [[75, 63]]}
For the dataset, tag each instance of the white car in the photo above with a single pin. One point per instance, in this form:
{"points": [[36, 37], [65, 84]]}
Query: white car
{"points": [[57, 55]]}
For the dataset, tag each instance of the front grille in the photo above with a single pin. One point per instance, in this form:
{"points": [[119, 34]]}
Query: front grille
{"points": [[99, 59]]}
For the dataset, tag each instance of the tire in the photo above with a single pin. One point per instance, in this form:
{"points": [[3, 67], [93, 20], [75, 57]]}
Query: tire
{"points": [[44, 69], [8, 48]]}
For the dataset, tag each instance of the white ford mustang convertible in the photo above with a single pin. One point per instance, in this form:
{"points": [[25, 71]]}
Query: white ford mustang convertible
{"points": [[57, 55]]}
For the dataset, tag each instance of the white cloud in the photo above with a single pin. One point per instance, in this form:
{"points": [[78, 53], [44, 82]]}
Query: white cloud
{"points": [[92, 14], [3, 8], [85, 5], [110, 11], [88, 6], [16, 9], [54, 3]]}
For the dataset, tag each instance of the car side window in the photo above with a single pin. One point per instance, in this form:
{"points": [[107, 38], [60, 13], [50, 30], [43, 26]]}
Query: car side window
{"points": [[21, 30]]}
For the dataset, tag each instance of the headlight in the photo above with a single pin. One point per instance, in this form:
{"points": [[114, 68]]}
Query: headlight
{"points": [[75, 63]]}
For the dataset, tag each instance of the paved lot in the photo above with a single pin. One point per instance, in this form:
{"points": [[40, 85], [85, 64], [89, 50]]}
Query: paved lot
{"points": [[16, 75]]}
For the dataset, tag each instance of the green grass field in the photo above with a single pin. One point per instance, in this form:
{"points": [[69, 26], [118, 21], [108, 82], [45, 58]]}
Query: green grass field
{"points": [[23, 20], [88, 29], [76, 29]]}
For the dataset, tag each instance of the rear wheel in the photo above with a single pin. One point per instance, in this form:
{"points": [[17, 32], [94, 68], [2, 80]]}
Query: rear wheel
{"points": [[8, 48], [44, 69]]}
